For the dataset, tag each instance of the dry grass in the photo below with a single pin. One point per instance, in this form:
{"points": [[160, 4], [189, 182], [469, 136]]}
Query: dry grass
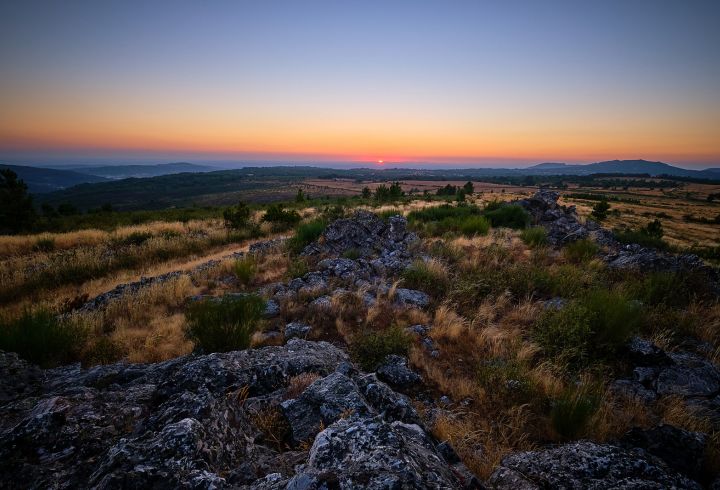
{"points": [[298, 384], [481, 441]]}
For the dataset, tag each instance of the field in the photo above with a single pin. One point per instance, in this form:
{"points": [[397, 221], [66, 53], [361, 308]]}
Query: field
{"points": [[499, 353]]}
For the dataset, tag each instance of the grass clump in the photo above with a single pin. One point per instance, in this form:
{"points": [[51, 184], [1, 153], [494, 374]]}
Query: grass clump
{"points": [[581, 251], [371, 348], [306, 234], [225, 325], [44, 245], [42, 338], [534, 237], [592, 327], [574, 409], [507, 215], [462, 219], [244, 269], [429, 276]]}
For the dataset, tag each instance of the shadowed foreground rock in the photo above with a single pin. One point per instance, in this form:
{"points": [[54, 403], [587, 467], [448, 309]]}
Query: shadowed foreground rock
{"points": [[586, 465], [214, 421]]}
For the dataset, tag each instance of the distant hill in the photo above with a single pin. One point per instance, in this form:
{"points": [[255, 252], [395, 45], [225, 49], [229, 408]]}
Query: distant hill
{"points": [[127, 171], [40, 180], [612, 167]]}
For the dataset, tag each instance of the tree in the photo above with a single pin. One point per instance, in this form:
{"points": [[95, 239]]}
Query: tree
{"points": [[382, 193], [448, 190], [16, 208], [460, 196], [600, 210], [396, 191], [654, 229], [366, 193], [300, 197], [238, 217], [468, 188]]}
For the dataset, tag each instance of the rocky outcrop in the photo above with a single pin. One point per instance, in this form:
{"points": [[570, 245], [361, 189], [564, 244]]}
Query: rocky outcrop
{"points": [[587, 465], [683, 374], [369, 236], [561, 223], [214, 421]]}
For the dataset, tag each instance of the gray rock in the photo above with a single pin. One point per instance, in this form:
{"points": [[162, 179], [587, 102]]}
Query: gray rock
{"points": [[372, 453], [297, 329], [642, 352], [411, 297], [586, 465], [682, 450], [272, 309], [394, 370], [180, 423], [321, 404], [689, 376]]}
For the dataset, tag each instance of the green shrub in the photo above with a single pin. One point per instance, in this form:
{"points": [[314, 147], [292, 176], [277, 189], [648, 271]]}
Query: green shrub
{"points": [[591, 327], [225, 325], [244, 269], [581, 250], [600, 210], [44, 245], [506, 377], [676, 289], [508, 216], [534, 237], [370, 348], [237, 217], [463, 219], [351, 253], [306, 234], [388, 213], [472, 225], [42, 338], [430, 277], [298, 267], [135, 238], [282, 219], [571, 412], [641, 238]]}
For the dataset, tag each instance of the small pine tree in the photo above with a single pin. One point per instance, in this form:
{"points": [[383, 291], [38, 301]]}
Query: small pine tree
{"points": [[299, 197], [600, 210], [16, 208], [366, 193], [468, 188], [654, 229], [237, 217], [460, 196]]}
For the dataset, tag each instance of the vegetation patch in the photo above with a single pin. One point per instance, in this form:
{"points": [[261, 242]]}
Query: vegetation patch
{"points": [[507, 215], [305, 234], [534, 237], [225, 325], [42, 338], [370, 348]]}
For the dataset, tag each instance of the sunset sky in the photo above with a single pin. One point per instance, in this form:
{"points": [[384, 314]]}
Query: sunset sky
{"points": [[471, 83]]}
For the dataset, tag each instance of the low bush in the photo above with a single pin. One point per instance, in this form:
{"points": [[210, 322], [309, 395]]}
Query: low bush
{"points": [[42, 338], [591, 327], [305, 234], [572, 412], [244, 269], [581, 250], [370, 348], [135, 238], [534, 237], [643, 239], [44, 245], [281, 219], [225, 325], [429, 276], [507, 216], [463, 219]]}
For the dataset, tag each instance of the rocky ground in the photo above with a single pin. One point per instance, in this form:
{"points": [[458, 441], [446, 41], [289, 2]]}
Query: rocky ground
{"points": [[301, 415]]}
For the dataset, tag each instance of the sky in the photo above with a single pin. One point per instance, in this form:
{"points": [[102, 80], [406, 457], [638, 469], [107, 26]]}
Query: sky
{"points": [[506, 83]]}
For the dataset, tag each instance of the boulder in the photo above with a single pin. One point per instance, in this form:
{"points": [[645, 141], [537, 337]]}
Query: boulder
{"points": [[394, 370], [297, 329], [586, 465], [411, 298]]}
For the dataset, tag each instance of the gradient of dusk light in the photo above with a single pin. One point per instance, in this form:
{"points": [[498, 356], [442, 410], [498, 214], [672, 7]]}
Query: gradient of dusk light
{"points": [[464, 82]]}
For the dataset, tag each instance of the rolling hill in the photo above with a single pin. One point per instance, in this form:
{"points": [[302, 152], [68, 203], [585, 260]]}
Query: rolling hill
{"points": [[127, 171], [40, 180]]}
